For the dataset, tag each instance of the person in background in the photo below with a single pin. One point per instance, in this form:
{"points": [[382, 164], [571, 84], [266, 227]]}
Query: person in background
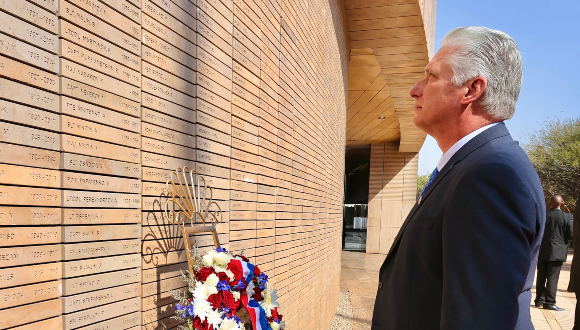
{"points": [[574, 285], [553, 253]]}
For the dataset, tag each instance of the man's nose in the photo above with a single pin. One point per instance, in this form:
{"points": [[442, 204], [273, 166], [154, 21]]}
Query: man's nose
{"points": [[416, 91]]}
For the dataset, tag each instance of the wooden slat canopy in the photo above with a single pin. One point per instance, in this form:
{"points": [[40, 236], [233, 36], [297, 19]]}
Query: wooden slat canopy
{"points": [[391, 41]]}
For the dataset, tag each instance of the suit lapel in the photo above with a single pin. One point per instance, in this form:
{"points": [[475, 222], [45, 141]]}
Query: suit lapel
{"points": [[426, 193], [478, 141]]}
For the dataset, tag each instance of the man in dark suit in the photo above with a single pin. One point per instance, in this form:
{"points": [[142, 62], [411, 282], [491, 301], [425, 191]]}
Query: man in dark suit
{"points": [[574, 285], [553, 253], [465, 256]]}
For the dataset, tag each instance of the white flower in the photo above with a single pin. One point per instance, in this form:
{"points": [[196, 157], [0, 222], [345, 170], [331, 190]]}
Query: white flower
{"points": [[213, 290], [202, 291], [211, 253], [236, 295], [250, 289], [218, 268], [274, 298], [270, 296], [229, 324], [202, 308], [274, 326], [207, 260], [221, 259], [230, 274], [282, 325], [212, 280], [215, 318]]}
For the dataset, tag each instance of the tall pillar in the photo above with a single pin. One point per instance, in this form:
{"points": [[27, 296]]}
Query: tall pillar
{"points": [[392, 190]]}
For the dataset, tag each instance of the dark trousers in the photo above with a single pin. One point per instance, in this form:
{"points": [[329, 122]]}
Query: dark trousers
{"points": [[550, 271]]}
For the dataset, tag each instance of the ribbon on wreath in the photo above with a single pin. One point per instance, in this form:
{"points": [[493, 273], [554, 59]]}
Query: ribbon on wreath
{"points": [[257, 313], [248, 269]]}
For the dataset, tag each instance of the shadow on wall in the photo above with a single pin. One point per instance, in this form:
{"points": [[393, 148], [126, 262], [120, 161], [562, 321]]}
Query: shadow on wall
{"points": [[388, 167], [162, 245], [160, 236], [163, 259]]}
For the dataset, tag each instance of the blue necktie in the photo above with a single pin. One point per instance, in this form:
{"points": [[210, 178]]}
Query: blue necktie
{"points": [[431, 178]]}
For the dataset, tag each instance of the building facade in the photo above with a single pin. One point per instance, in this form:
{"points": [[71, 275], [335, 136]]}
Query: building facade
{"points": [[100, 100], [390, 42]]}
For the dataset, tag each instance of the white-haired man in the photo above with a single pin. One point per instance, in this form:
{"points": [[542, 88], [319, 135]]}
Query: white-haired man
{"points": [[465, 256]]}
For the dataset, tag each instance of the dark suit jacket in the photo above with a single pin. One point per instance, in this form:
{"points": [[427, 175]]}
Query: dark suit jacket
{"points": [[465, 256], [574, 285], [558, 230]]}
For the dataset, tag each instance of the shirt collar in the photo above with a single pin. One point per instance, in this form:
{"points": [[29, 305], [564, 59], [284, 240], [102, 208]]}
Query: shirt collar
{"points": [[447, 156]]}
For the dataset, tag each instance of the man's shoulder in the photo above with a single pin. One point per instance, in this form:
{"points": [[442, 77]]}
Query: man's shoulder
{"points": [[503, 163], [558, 215], [492, 148], [497, 162], [498, 154], [554, 214]]}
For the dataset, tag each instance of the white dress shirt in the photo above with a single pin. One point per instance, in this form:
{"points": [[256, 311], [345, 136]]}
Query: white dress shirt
{"points": [[447, 156]]}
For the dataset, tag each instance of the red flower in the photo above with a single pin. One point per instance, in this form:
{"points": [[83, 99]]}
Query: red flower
{"points": [[275, 313], [223, 277], [236, 269], [257, 271], [257, 294], [243, 258], [228, 299], [203, 273], [199, 325], [215, 300]]}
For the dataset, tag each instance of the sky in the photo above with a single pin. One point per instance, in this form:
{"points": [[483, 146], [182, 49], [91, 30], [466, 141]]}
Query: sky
{"points": [[548, 35]]}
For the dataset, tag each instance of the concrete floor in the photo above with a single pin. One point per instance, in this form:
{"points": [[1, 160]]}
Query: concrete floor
{"points": [[359, 280]]}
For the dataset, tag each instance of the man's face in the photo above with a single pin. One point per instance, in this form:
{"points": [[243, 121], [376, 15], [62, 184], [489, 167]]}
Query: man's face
{"points": [[437, 99]]}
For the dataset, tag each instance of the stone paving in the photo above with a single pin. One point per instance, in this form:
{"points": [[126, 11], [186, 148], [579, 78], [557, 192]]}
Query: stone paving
{"points": [[359, 280]]}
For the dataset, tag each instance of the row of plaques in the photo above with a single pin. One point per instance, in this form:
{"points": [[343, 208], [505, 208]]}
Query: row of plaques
{"points": [[101, 99]]}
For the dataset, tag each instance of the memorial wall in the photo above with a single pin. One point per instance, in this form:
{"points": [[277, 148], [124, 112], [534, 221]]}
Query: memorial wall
{"points": [[101, 99]]}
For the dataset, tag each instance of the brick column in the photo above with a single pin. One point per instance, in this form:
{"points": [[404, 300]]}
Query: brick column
{"points": [[392, 190]]}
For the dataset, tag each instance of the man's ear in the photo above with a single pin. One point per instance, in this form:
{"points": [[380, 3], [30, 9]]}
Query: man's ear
{"points": [[475, 88]]}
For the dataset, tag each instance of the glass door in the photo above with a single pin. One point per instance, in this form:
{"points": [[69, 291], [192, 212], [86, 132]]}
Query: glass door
{"points": [[354, 231]]}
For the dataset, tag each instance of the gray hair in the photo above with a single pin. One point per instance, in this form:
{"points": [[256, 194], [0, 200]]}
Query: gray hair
{"points": [[483, 52]]}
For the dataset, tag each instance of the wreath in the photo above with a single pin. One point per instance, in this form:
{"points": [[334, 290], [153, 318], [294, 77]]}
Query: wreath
{"points": [[227, 292]]}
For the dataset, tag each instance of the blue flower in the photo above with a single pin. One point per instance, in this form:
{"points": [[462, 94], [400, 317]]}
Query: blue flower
{"points": [[262, 287], [263, 278], [223, 285], [190, 310], [225, 310], [179, 307], [221, 249], [241, 285]]}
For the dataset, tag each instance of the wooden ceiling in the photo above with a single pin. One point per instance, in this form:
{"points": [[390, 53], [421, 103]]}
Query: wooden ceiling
{"points": [[390, 42]]}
